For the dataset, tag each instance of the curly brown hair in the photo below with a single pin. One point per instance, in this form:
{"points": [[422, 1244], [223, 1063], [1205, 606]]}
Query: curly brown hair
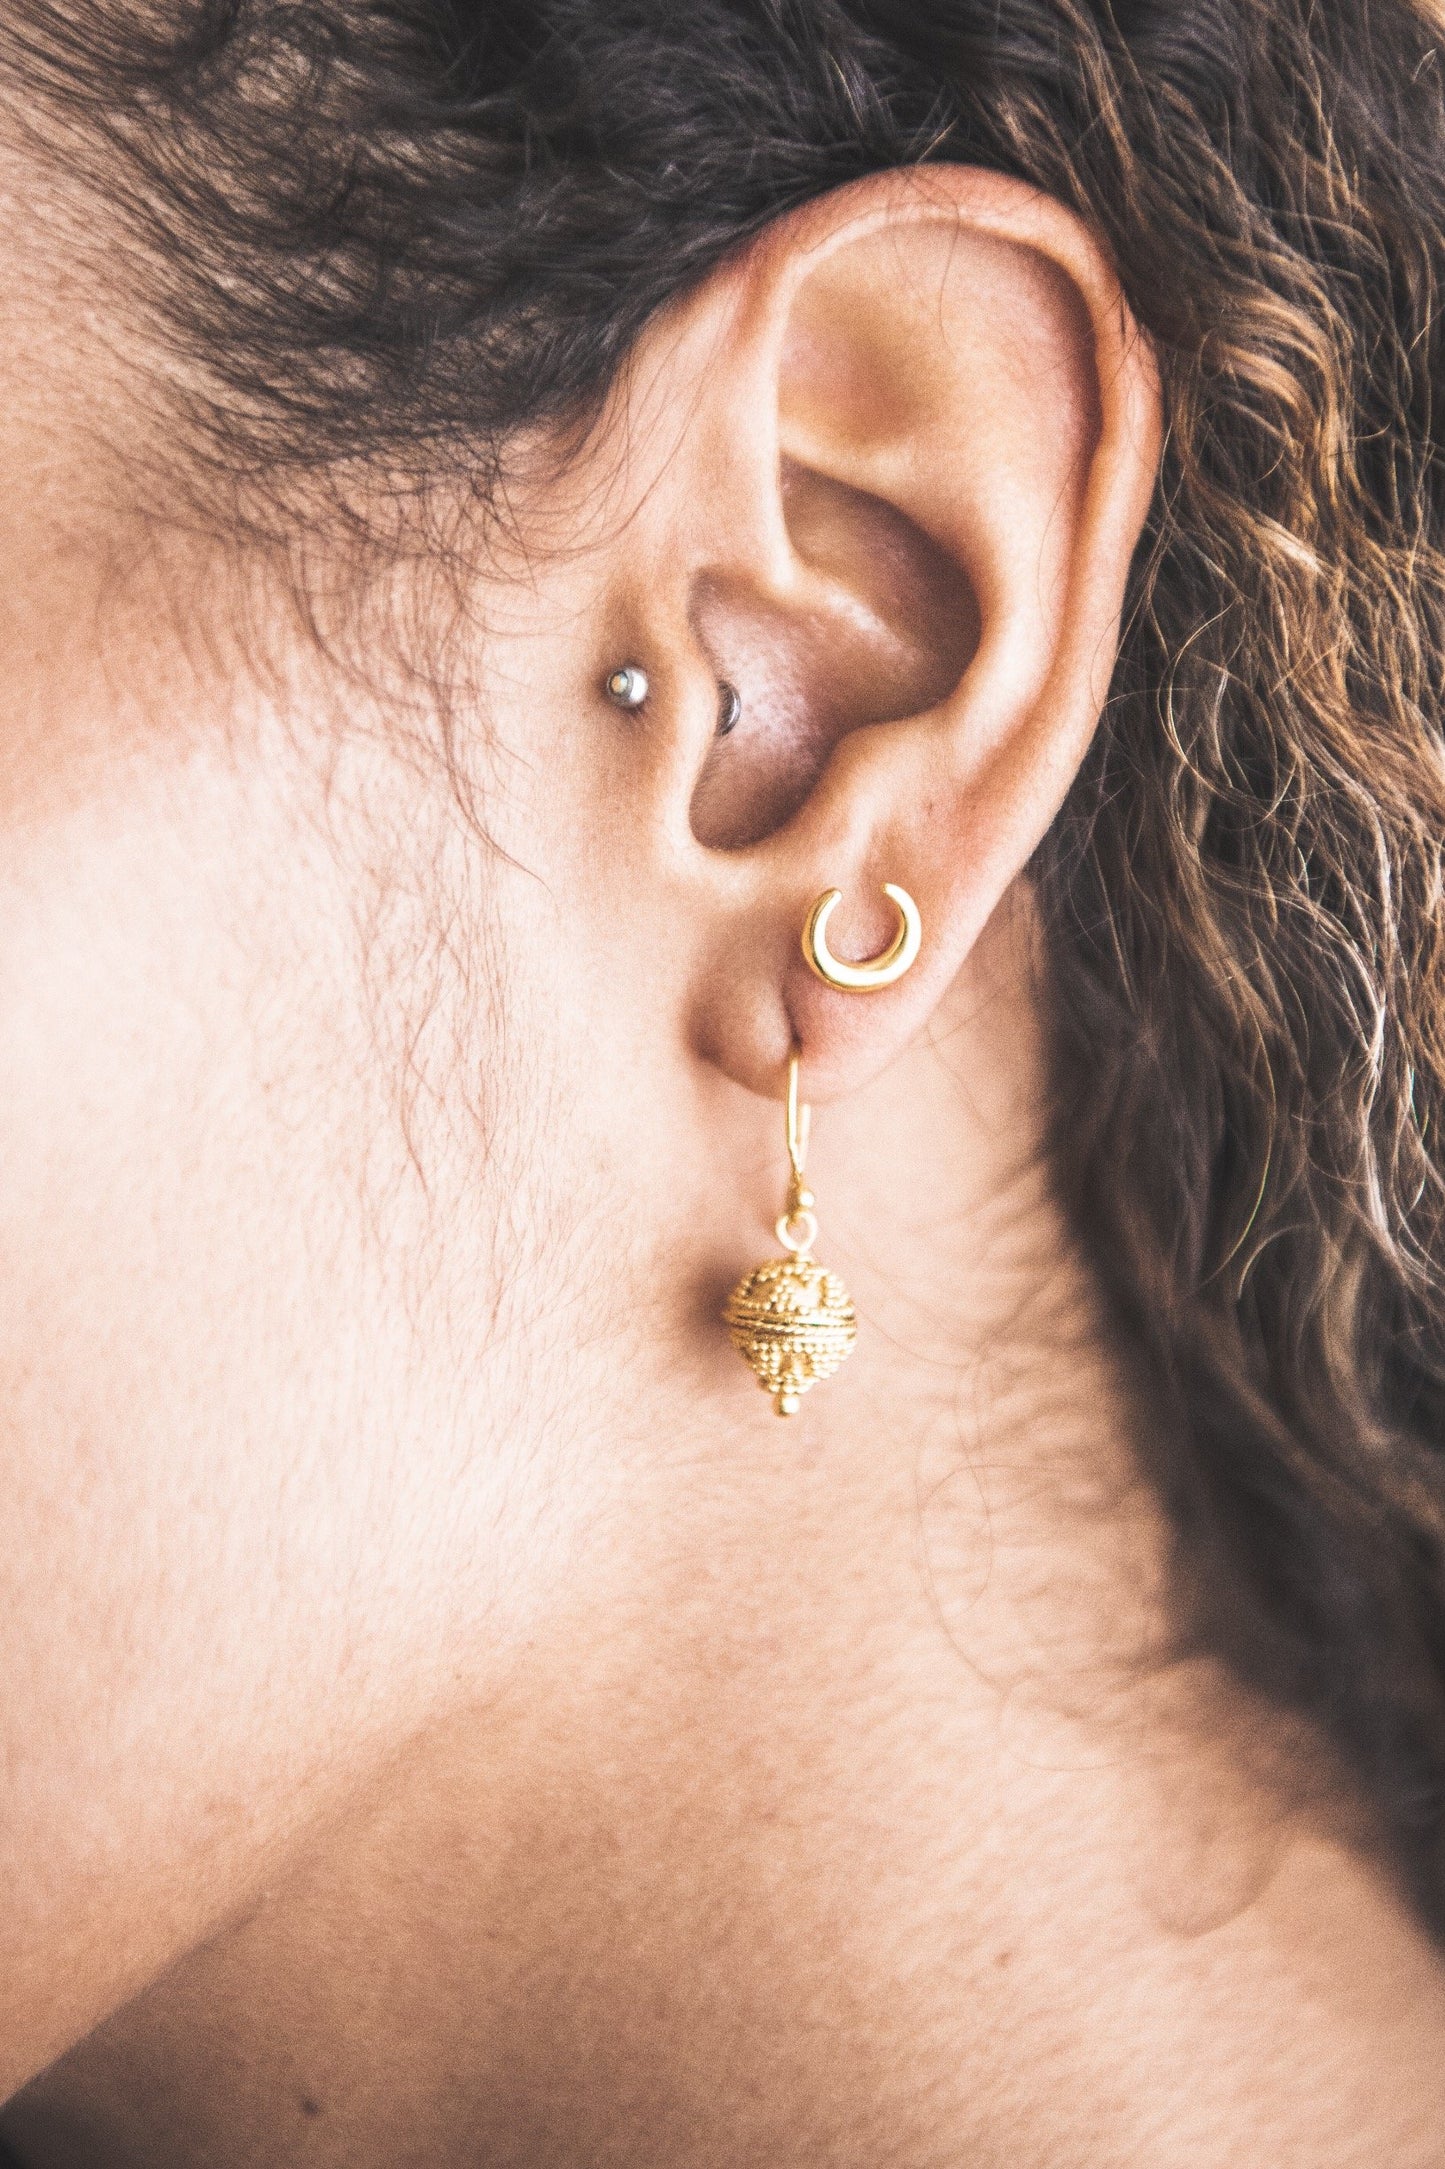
{"points": [[405, 232]]}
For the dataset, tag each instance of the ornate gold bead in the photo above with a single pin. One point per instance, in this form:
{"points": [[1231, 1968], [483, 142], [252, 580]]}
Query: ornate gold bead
{"points": [[792, 1322]]}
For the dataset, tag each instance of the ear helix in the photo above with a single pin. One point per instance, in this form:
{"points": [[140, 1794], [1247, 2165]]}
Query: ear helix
{"points": [[792, 1320]]}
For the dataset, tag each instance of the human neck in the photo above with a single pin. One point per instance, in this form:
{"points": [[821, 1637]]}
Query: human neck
{"points": [[832, 1804]]}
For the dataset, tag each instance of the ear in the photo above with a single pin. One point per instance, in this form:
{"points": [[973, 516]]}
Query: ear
{"points": [[918, 440]]}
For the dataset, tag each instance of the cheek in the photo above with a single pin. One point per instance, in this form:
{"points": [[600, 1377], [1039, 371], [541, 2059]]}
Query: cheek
{"points": [[252, 1496], [328, 1156], [317, 1165], [166, 1217], [174, 1249]]}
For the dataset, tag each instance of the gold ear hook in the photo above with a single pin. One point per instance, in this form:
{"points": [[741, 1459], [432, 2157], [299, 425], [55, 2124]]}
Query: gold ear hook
{"points": [[796, 1226], [799, 1120], [880, 971]]}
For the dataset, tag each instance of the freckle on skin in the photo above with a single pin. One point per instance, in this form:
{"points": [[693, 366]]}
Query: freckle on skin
{"points": [[309, 2107]]}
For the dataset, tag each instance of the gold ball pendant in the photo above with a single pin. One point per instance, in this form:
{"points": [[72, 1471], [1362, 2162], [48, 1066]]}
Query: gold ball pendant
{"points": [[792, 1322]]}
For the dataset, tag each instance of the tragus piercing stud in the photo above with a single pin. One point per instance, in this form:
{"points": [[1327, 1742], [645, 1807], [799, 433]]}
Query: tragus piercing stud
{"points": [[729, 708], [880, 971], [627, 686], [790, 1319]]}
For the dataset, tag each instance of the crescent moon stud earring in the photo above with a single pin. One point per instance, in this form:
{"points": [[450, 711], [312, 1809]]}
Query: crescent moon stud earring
{"points": [[883, 970]]}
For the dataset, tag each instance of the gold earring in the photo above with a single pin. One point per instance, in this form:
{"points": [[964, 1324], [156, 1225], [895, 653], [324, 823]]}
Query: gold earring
{"points": [[880, 971], [791, 1320]]}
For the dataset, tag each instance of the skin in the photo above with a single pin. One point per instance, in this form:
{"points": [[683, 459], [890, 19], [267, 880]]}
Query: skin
{"points": [[447, 1717]]}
